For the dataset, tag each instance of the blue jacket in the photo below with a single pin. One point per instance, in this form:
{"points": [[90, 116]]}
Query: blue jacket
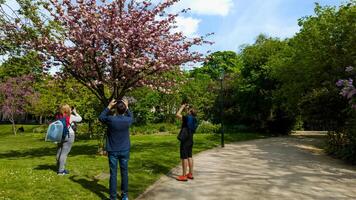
{"points": [[118, 137], [192, 123]]}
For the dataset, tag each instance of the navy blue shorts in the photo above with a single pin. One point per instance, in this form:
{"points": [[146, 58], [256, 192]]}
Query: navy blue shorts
{"points": [[186, 148]]}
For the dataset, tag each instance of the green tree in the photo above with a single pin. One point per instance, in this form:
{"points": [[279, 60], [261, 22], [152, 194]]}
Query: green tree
{"points": [[229, 61], [21, 65], [201, 91], [313, 62], [146, 100], [256, 86]]}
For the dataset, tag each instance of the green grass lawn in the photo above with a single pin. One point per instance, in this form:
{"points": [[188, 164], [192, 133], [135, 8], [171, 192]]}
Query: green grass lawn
{"points": [[28, 171]]}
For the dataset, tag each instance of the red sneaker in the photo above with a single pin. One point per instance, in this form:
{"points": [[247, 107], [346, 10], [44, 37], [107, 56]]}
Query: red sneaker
{"points": [[182, 178], [190, 176]]}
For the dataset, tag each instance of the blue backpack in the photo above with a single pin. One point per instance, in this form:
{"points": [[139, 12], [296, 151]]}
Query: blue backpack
{"points": [[57, 131], [65, 128]]}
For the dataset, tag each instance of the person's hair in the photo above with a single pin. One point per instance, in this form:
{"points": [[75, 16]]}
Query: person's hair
{"points": [[193, 112], [65, 110], [120, 107]]}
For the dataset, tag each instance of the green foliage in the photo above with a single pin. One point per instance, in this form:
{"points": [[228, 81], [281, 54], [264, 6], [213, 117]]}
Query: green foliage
{"points": [[48, 100], [53, 93], [21, 65], [40, 129], [257, 85], [166, 128], [208, 127], [82, 99], [299, 124], [342, 143], [228, 61], [281, 123], [249, 98], [323, 109], [146, 102], [315, 59], [200, 91]]}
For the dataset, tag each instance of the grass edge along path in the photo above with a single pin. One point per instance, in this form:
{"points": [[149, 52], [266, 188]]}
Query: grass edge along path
{"points": [[28, 165]]}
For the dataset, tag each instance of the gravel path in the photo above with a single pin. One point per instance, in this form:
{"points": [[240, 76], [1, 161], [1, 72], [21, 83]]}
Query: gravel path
{"points": [[275, 168]]}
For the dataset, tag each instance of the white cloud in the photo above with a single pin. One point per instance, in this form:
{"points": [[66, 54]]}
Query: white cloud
{"points": [[188, 25], [206, 7]]}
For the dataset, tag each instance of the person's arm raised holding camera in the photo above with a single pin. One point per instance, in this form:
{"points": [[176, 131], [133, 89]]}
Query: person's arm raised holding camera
{"points": [[75, 117], [179, 113], [129, 113], [104, 117], [112, 104]]}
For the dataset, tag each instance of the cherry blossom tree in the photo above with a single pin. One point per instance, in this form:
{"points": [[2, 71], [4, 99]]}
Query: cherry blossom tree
{"points": [[15, 93], [110, 47]]}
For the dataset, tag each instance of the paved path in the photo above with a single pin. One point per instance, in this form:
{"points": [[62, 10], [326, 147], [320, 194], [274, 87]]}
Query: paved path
{"points": [[275, 168]]}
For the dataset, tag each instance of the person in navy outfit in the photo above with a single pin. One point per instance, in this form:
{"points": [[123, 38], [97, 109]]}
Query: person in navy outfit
{"points": [[118, 143]]}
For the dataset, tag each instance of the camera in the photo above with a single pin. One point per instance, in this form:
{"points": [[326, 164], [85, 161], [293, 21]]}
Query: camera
{"points": [[130, 100]]}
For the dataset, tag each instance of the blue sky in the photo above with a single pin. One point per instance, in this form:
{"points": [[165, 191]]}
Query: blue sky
{"points": [[238, 22]]}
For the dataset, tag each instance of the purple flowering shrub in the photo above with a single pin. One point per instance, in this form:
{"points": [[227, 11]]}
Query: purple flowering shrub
{"points": [[348, 87], [342, 142]]}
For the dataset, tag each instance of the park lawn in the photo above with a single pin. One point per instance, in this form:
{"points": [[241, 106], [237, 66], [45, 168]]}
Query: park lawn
{"points": [[28, 171], [6, 129]]}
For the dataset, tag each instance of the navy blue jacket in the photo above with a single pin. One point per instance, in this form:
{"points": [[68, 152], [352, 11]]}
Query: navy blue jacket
{"points": [[192, 123], [118, 130]]}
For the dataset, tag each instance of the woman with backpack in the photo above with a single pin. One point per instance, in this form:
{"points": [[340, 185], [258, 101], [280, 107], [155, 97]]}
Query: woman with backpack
{"points": [[189, 124], [70, 117]]}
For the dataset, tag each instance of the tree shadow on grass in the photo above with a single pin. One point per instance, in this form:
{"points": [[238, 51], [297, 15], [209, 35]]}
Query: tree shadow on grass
{"points": [[148, 146], [49, 151], [47, 167], [92, 185]]}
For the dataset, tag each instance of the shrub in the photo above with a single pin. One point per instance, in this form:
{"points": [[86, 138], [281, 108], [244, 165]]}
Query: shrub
{"points": [[83, 131], [208, 127], [342, 143], [237, 128], [281, 123], [153, 128], [162, 129], [40, 129]]}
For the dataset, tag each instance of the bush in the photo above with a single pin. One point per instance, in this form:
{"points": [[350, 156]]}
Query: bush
{"points": [[237, 128], [97, 130], [298, 126], [83, 131], [281, 124], [154, 128], [162, 129], [40, 129], [342, 143], [208, 127]]}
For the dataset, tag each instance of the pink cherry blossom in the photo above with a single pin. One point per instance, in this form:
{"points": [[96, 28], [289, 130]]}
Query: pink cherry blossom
{"points": [[122, 40]]}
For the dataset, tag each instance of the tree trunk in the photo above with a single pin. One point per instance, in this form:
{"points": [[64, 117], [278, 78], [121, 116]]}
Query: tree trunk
{"points": [[13, 126], [90, 130], [41, 119]]}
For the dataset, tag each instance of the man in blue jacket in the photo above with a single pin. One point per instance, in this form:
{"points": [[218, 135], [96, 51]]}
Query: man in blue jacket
{"points": [[118, 144]]}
